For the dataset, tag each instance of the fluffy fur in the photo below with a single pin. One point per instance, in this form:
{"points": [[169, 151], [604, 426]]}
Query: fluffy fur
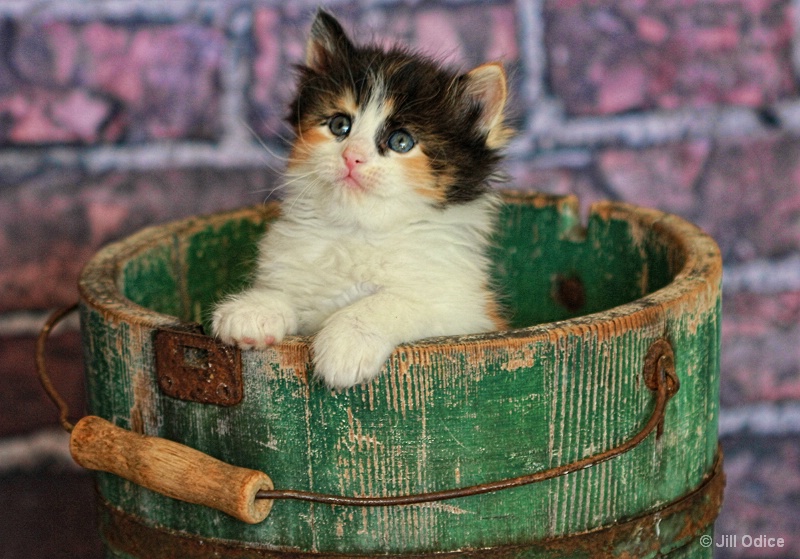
{"points": [[378, 244]]}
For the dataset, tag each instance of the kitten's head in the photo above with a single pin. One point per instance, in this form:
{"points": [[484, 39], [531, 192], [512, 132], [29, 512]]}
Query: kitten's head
{"points": [[377, 125]]}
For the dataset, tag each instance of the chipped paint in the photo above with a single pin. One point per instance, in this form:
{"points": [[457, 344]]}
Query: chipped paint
{"points": [[293, 356], [143, 413], [450, 509], [518, 360]]}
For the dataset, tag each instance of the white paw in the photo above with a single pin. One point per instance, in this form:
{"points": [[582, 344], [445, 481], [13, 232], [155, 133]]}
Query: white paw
{"points": [[346, 353], [253, 320]]}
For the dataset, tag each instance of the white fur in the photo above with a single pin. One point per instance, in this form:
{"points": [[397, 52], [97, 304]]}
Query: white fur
{"points": [[363, 270]]}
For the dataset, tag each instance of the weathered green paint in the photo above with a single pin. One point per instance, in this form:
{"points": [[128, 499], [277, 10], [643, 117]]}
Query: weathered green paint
{"points": [[447, 412]]}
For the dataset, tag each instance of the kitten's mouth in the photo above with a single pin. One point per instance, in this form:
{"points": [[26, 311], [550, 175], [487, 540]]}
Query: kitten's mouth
{"points": [[353, 182]]}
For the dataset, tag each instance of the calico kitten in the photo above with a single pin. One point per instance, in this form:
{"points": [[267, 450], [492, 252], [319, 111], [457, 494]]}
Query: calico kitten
{"points": [[388, 209]]}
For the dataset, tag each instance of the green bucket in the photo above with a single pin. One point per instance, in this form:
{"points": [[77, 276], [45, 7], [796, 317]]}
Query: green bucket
{"points": [[588, 430]]}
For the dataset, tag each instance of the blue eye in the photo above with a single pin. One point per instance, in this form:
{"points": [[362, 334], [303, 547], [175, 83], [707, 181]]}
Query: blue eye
{"points": [[339, 125], [400, 141]]}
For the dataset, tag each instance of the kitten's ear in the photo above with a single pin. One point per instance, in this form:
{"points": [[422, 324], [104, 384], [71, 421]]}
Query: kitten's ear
{"points": [[486, 85], [327, 40]]}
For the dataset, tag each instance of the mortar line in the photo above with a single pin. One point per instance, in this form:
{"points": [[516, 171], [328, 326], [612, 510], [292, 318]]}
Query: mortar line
{"points": [[762, 277], [29, 323], [794, 11], [110, 9], [530, 36], [763, 419], [236, 75], [46, 447]]}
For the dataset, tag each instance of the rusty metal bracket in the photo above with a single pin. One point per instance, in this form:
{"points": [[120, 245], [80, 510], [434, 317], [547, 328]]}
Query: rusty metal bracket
{"points": [[194, 367], [659, 366]]}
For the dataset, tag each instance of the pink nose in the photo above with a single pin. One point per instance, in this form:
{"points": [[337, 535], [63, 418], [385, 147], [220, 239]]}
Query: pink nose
{"points": [[353, 157]]}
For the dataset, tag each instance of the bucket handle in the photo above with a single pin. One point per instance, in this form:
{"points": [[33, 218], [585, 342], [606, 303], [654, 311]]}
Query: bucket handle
{"points": [[183, 473], [163, 466]]}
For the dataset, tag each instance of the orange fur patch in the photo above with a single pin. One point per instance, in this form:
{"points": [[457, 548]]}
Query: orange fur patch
{"points": [[347, 104], [494, 312], [418, 172], [307, 140]]}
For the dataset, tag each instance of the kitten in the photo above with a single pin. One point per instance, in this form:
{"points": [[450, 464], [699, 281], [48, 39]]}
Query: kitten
{"points": [[388, 209]]}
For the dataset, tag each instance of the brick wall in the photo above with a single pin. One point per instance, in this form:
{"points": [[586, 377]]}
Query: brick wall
{"points": [[116, 115]]}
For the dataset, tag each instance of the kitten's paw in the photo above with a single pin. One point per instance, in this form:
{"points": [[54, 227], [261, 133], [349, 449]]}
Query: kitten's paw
{"points": [[346, 354], [252, 321]]}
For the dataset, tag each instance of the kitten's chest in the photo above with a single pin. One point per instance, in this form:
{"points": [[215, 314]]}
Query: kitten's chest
{"points": [[357, 260], [337, 259]]}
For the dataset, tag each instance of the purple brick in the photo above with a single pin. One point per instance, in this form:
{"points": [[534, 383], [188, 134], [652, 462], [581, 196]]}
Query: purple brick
{"points": [[92, 82], [41, 116], [750, 199], [277, 48], [760, 350], [663, 177], [742, 191], [614, 56], [167, 75], [762, 496], [462, 38], [53, 222]]}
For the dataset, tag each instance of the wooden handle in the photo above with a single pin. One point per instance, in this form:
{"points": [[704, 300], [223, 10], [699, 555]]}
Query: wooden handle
{"points": [[171, 469]]}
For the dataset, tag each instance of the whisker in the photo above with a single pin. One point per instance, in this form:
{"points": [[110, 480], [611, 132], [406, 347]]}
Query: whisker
{"points": [[310, 185], [297, 178], [274, 191], [278, 133], [262, 143], [284, 183]]}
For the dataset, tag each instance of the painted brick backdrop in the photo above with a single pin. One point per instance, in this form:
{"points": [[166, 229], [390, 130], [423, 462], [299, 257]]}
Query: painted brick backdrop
{"points": [[115, 115]]}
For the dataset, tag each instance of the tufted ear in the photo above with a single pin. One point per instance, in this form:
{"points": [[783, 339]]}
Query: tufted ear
{"points": [[327, 41], [486, 85]]}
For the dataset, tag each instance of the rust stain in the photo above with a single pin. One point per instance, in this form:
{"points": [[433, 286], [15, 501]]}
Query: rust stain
{"points": [[197, 368], [568, 291]]}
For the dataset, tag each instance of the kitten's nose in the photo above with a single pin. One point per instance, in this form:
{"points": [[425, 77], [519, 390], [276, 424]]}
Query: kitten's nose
{"points": [[353, 157]]}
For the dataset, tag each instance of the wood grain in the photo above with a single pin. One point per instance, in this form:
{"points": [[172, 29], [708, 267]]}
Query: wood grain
{"points": [[170, 468]]}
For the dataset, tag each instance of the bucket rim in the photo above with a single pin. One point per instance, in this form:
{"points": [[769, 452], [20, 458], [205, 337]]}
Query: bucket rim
{"points": [[694, 287]]}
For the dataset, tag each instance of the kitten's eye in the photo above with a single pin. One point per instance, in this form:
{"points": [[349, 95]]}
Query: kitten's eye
{"points": [[339, 125], [400, 141]]}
